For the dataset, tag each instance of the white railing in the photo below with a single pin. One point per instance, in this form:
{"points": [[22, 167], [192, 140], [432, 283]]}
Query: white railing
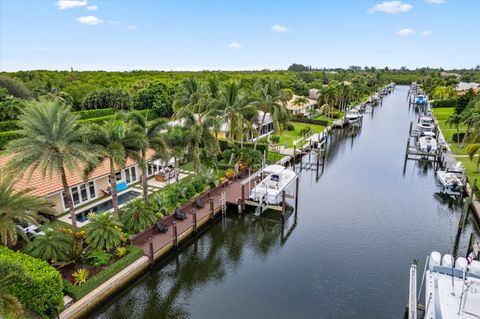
{"points": [[412, 295]]}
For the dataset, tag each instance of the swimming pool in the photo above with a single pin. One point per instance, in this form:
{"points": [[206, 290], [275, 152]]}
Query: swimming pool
{"points": [[106, 206]]}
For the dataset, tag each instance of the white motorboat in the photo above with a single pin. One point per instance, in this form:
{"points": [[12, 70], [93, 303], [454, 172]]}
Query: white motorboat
{"points": [[376, 98], [427, 142], [425, 124], [452, 289], [270, 189], [353, 116], [451, 180]]}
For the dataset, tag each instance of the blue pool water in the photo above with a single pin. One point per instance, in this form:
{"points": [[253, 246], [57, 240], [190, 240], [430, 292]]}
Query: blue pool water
{"points": [[106, 206]]}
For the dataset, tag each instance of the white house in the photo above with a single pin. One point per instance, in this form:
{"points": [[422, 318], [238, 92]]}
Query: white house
{"points": [[296, 106]]}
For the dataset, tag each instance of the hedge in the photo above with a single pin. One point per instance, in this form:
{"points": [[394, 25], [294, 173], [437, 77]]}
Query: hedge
{"points": [[309, 121], [444, 103], [456, 137], [43, 290], [10, 125], [88, 114], [77, 292], [97, 120], [224, 144], [6, 137]]}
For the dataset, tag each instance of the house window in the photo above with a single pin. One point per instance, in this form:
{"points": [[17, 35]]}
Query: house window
{"points": [[76, 198], [118, 176], [91, 187], [150, 169], [83, 192], [127, 176], [134, 174]]}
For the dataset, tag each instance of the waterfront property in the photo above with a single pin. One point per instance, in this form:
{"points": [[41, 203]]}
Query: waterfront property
{"points": [[301, 105]]}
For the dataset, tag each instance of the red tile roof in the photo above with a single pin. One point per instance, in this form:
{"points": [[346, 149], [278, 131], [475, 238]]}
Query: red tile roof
{"points": [[46, 186]]}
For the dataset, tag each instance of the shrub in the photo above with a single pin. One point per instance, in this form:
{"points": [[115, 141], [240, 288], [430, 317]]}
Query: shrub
{"points": [[88, 114], [306, 130], [444, 103], [103, 231], [97, 120], [6, 137], [120, 252], [54, 246], [10, 125], [290, 127], [15, 87], [98, 258], [136, 216], [275, 139], [458, 137], [78, 292], [80, 276], [44, 290], [198, 184]]}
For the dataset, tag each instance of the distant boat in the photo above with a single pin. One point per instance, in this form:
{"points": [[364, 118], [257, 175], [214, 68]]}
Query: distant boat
{"points": [[421, 100], [353, 116], [427, 142], [375, 98], [425, 124], [269, 190], [452, 288]]}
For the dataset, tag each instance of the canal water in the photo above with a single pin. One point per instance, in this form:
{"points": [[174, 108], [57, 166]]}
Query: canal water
{"points": [[361, 221]]}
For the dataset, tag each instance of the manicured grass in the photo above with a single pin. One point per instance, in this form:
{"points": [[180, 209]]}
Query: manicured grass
{"points": [[78, 292], [328, 119], [287, 137], [273, 157], [189, 166], [442, 115]]}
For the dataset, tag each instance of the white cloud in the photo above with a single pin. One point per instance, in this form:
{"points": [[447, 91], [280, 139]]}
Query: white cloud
{"points": [[436, 1], [69, 4], [92, 8], [279, 28], [113, 22], [406, 32], [426, 33], [131, 27], [90, 20], [391, 7], [235, 45]]}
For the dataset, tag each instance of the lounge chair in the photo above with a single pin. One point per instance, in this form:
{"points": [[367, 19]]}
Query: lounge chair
{"points": [[161, 228], [199, 203], [179, 215]]}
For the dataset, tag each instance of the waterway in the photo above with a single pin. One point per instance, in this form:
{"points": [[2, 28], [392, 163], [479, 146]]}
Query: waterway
{"points": [[361, 221]]}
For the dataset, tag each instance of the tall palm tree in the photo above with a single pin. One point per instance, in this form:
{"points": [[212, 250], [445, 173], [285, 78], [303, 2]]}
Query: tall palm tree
{"points": [[52, 145], [115, 141], [176, 141], [188, 96], [154, 139], [18, 207], [10, 275], [454, 121], [471, 150]]}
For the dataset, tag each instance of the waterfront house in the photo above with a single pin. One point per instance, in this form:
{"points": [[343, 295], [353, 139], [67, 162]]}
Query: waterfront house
{"points": [[301, 105], [266, 129], [464, 86]]}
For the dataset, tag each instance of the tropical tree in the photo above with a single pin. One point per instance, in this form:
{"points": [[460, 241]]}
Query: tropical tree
{"points": [[154, 140], [115, 141], [18, 207], [454, 121], [103, 231], [116, 98], [52, 92], [177, 143], [10, 275], [137, 215], [52, 145], [472, 150], [53, 247], [188, 97]]}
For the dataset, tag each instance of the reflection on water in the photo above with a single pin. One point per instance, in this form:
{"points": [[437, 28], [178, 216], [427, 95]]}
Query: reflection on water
{"points": [[361, 221]]}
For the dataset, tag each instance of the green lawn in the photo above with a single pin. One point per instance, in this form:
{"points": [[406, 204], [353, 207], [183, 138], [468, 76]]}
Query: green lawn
{"points": [[273, 157], [442, 115], [287, 137], [189, 166]]}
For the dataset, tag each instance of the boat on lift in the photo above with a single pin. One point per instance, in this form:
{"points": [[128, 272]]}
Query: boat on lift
{"points": [[451, 180], [421, 100], [376, 98], [452, 288], [269, 190], [425, 124], [353, 116], [427, 142]]}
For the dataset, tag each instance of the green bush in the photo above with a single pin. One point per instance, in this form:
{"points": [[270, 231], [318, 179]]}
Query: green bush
{"points": [[290, 127], [456, 137], [97, 120], [198, 184], [98, 258], [78, 292], [306, 130], [44, 290], [275, 139], [6, 137], [89, 114], [444, 103], [224, 144], [10, 125]]}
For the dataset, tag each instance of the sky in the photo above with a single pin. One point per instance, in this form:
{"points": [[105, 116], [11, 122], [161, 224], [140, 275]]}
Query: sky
{"points": [[193, 35]]}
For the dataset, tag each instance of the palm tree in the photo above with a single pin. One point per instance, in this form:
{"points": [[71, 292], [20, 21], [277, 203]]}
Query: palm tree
{"points": [[455, 121], [18, 207], [176, 141], [115, 141], [188, 96], [103, 231], [10, 275], [137, 216], [54, 246], [154, 140], [52, 144], [471, 150]]}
